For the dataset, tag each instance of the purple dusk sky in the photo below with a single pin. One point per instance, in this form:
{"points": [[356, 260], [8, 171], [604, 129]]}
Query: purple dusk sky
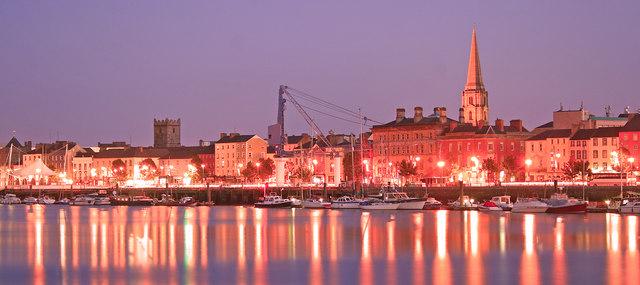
{"points": [[101, 71]]}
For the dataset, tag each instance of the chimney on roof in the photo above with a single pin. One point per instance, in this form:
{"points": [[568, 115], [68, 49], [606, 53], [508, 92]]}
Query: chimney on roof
{"points": [[233, 135], [452, 125], [516, 124], [223, 135], [417, 117], [443, 115], [461, 116], [500, 125], [399, 115]]}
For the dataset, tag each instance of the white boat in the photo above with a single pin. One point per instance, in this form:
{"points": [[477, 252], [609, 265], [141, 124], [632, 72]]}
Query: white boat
{"points": [[30, 200], [187, 201], [630, 207], [377, 204], [63, 201], [295, 202], [432, 204], [11, 199], [403, 200], [345, 202], [315, 203], [101, 200], [504, 202], [82, 200], [463, 203], [46, 200], [529, 205], [273, 201]]}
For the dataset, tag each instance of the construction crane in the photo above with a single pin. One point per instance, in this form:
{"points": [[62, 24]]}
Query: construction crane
{"points": [[286, 91]]}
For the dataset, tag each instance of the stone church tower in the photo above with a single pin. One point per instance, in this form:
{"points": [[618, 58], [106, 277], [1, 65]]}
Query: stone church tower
{"points": [[475, 99], [166, 133]]}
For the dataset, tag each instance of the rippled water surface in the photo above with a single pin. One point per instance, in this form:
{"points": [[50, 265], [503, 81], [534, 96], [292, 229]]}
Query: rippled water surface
{"points": [[229, 245]]}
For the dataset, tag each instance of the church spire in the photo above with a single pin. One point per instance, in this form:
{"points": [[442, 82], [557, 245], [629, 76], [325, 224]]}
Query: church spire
{"points": [[474, 74]]}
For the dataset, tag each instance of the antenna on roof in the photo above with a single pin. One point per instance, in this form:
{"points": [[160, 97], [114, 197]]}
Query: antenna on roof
{"points": [[561, 107], [581, 105], [626, 110], [607, 111]]}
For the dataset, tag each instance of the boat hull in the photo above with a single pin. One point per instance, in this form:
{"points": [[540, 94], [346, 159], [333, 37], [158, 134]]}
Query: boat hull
{"points": [[380, 206], [315, 205], [429, 206], [273, 205], [411, 205], [354, 205], [529, 209], [568, 209], [630, 210], [490, 209]]}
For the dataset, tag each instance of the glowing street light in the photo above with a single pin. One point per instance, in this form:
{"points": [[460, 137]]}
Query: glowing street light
{"points": [[528, 162], [440, 164]]}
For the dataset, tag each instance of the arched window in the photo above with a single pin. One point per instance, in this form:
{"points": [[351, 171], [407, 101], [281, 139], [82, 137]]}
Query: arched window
{"points": [[470, 100], [470, 116]]}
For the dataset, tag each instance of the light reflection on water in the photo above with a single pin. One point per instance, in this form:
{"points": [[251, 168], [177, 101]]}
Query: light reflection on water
{"points": [[83, 245]]}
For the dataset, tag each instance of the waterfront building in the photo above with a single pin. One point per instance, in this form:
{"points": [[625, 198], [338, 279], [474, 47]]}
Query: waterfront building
{"points": [[546, 153], [132, 157], [465, 147], [597, 147], [83, 169], [414, 140], [629, 137], [58, 156], [233, 151], [179, 161], [166, 133]]}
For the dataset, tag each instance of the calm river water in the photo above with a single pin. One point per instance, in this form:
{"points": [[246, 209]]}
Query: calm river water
{"points": [[229, 245]]}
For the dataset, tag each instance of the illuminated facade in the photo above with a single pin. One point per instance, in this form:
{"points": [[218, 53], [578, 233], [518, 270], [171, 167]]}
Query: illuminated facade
{"points": [[411, 139], [233, 152]]}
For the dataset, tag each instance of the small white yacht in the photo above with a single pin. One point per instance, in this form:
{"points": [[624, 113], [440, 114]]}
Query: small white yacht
{"points": [[46, 200], [630, 207], [403, 200], [11, 199], [345, 202], [30, 200], [273, 201], [82, 200], [315, 203], [463, 203], [432, 204], [529, 205], [377, 204]]}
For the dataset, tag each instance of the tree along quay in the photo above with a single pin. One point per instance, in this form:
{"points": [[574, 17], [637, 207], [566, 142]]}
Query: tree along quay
{"points": [[248, 196]]}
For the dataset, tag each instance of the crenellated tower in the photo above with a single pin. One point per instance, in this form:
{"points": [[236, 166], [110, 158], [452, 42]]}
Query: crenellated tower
{"points": [[166, 133]]}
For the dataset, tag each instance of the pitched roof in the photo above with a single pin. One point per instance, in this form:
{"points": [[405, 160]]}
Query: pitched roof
{"points": [[13, 141], [583, 134], [632, 125], [132, 152], [429, 120], [607, 132], [235, 139], [547, 125], [559, 133], [468, 128]]}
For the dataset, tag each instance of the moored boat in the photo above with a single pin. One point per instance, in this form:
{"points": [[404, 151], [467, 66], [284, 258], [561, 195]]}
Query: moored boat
{"points": [[30, 200], [273, 201], [529, 205], [489, 206], [432, 204], [378, 204], [63, 201], [403, 200], [315, 203], [140, 201], [46, 200], [630, 207], [82, 200], [167, 200], [187, 201], [560, 203], [345, 202], [295, 202], [504, 202], [464, 203], [11, 199]]}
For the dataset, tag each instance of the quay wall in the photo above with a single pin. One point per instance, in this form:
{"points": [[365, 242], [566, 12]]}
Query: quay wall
{"points": [[245, 196]]}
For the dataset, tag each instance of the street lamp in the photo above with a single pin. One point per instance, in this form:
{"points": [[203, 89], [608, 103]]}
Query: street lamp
{"points": [[203, 174], [527, 162]]}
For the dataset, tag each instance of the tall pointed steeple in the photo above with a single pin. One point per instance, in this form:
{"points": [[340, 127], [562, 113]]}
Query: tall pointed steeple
{"points": [[474, 73], [474, 109]]}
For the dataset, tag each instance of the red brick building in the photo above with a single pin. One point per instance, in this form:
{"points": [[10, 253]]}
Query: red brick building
{"points": [[629, 137]]}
